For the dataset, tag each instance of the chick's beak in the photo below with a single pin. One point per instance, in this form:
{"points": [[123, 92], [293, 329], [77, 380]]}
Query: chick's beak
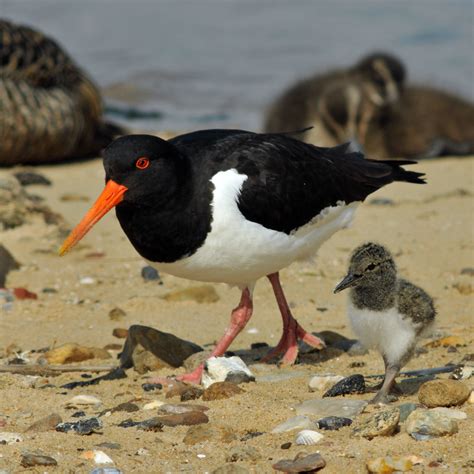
{"points": [[110, 197], [348, 281]]}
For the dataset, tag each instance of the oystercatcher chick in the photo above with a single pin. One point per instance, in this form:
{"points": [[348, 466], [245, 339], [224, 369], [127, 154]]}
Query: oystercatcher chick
{"points": [[233, 206], [387, 313], [50, 109]]}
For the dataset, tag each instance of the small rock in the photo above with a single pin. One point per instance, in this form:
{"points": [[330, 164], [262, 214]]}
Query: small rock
{"points": [[120, 333], [127, 407], [7, 264], [218, 369], [323, 382], [188, 418], [149, 273], [220, 390], [109, 445], [310, 463], [352, 384], [308, 437], [150, 387], [406, 409], [456, 341], [87, 281], [426, 424], [389, 464], [83, 400], [151, 424], [191, 393], [24, 294], [286, 445], [383, 423], [71, 352], [78, 414], [82, 427], [117, 314], [45, 424], [463, 287], [176, 389], [467, 271], [299, 422], [443, 393], [152, 405], [450, 413], [34, 459], [327, 407], [243, 453], [99, 457], [27, 178], [199, 294], [333, 423], [210, 432], [142, 452], [181, 408], [10, 438]]}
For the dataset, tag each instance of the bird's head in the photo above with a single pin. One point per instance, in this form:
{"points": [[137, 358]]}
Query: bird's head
{"points": [[140, 170], [384, 77], [371, 266]]}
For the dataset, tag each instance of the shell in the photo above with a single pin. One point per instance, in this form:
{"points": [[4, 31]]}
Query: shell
{"points": [[352, 384], [217, 369], [308, 437], [153, 404], [83, 400]]}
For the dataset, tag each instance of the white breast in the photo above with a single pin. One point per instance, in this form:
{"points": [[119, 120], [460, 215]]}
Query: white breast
{"points": [[386, 331], [239, 252]]}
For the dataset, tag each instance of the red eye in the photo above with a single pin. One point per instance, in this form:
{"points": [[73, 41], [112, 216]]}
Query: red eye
{"points": [[142, 163]]}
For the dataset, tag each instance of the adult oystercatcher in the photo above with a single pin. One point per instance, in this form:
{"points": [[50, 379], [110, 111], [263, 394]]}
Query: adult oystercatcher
{"points": [[50, 109], [233, 206]]}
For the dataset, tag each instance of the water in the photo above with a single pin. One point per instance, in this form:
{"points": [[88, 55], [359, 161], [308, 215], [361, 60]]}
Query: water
{"points": [[218, 63]]}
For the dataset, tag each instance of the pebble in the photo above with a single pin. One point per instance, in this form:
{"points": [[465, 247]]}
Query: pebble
{"points": [[176, 389], [326, 407], [87, 281], [303, 463], [34, 459], [220, 390], [450, 413], [27, 178], [99, 457], [150, 387], [142, 452], [181, 408], [352, 384], [286, 445], [443, 393], [45, 424], [78, 414], [83, 400], [120, 333], [150, 274], [323, 382], [210, 432], [426, 424], [471, 397], [188, 418], [406, 409], [82, 427], [219, 369], [243, 453], [308, 437], [467, 271], [126, 407], [109, 445], [117, 314], [199, 294], [383, 423], [24, 294], [299, 422], [191, 393], [9, 438], [333, 423], [152, 424], [71, 352], [152, 405], [389, 464]]}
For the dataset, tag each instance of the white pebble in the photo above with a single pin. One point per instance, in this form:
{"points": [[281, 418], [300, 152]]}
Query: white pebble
{"points": [[87, 281], [252, 331], [153, 404], [217, 369], [471, 397], [201, 456], [323, 382], [84, 400]]}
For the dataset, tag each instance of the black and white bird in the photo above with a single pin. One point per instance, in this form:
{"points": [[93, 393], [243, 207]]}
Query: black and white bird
{"points": [[387, 313], [234, 206]]}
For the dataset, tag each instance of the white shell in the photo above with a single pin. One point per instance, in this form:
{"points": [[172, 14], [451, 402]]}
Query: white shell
{"points": [[153, 404], [308, 437], [217, 369], [323, 382], [84, 400]]}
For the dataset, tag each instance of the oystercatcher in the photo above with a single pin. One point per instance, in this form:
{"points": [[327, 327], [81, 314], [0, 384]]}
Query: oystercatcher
{"points": [[387, 313], [50, 109], [233, 206]]}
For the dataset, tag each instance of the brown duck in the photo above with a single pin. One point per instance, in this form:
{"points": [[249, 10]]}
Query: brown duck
{"points": [[50, 110]]}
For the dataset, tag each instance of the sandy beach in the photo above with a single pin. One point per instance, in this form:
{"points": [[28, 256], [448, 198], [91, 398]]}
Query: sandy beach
{"points": [[429, 230]]}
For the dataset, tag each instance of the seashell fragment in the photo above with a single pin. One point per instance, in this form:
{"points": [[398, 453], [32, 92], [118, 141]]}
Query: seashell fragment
{"points": [[308, 437], [218, 369]]}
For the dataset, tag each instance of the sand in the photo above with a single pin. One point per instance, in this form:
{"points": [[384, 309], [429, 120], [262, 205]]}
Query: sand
{"points": [[428, 228]]}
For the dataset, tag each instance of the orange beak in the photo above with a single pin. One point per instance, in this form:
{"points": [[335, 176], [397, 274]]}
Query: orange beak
{"points": [[110, 197]]}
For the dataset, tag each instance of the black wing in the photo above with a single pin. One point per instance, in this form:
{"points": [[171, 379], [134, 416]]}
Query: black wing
{"points": [[290, 182]]}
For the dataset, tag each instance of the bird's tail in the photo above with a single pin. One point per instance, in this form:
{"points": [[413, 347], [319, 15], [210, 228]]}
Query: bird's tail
{"points": [[401, 174]]}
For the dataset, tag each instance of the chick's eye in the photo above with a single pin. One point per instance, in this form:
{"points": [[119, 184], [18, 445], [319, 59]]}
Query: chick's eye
{"points": [[370, 267], [142, 163]]}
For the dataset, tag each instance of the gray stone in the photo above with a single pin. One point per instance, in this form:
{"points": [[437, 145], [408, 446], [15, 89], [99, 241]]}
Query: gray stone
{"points": [[243, 453], [331, 407], [406, 409], [333, 423], [426, 424], [303, 463], [34, 459]]}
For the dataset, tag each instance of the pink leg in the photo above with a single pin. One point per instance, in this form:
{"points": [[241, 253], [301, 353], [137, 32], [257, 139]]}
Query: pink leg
{"points": [[292, 331], [238, 320]]}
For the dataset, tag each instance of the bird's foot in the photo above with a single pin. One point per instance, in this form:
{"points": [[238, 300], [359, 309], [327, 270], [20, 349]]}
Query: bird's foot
{"points": [[383, 398], [288, 345], [192, 377]]}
